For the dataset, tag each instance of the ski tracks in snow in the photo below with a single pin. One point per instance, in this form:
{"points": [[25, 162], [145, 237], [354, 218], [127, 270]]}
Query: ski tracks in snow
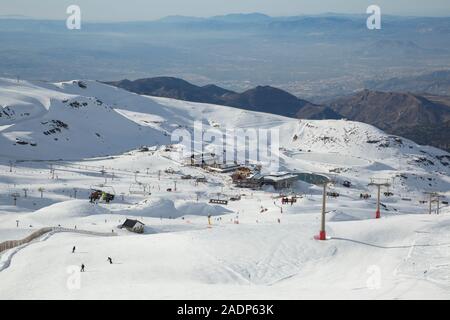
{"points": [[6, 256], [428, 259]]}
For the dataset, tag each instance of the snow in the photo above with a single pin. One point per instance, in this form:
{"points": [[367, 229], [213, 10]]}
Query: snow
{"points": [[67, 210], [269, 254]]}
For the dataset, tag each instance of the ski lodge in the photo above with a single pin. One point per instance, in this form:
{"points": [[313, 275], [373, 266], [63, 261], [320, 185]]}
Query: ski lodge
{"points": [[224, 168], [244, 178], [201, 160], [281, 180]]}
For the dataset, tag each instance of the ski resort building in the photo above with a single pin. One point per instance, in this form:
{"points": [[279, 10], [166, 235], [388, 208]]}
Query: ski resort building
{"points": [[280, 180], [133, 226], [254, 181], [201, 160], [224, 168]]}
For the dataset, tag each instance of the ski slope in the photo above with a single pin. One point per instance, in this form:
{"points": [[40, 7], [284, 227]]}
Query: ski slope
{"points": [[269, 254]]}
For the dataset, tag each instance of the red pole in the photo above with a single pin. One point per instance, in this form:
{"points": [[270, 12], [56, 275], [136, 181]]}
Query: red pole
{"points": [[377, 214], [322, 234]]}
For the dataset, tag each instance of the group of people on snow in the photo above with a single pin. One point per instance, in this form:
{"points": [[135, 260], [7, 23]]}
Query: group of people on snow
{"points": [[109, 259]]}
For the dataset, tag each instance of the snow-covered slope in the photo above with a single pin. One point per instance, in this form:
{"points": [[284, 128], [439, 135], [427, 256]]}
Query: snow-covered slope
{"points": [[78, 119], [254, 248], [60, 125]]}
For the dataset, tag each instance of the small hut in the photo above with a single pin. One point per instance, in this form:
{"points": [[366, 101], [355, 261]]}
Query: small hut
{"points": [[133, 226]]}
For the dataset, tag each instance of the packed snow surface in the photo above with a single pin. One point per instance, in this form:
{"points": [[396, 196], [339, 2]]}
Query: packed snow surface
{"points": [[58, 142]]}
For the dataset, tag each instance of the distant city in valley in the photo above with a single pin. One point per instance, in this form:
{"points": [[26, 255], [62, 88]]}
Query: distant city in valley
{"points": [[313, 57]]}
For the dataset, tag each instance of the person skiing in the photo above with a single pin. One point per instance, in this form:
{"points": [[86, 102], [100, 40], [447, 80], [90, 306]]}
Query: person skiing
{"points": [[110, 260], [82, 268], [73, 249]]}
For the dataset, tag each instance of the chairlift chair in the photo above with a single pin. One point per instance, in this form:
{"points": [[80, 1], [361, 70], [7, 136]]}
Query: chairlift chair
{"points": [[108, 190], [104, 188], [139, 188]]}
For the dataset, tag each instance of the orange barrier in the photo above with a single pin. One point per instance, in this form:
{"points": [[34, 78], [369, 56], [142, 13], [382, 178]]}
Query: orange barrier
{"points": [[40, 232], [15, 243]]}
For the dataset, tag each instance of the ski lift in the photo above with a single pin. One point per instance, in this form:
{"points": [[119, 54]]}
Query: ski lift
{"points": [[100, 189], [201, 179], [139, 188], [333, 194], [103, 188], [218, 200], [15, 196], [235, 197]]}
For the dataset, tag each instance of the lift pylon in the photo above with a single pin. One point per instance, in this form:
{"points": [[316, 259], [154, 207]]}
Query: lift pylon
{"points": [[379, 185]]}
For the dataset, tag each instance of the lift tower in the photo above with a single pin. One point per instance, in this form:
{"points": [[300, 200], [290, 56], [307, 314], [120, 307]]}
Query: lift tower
{"points": [[433, 197], [322, 234], [379, 185]]}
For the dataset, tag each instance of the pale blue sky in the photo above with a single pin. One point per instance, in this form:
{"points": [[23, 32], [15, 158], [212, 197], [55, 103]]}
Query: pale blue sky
{"points": [[123, 10]]}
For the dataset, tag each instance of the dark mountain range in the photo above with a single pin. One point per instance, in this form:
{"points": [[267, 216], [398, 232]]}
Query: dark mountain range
{"points": [[262, 98], [333, 53], [437, 82], [170, 87], [423, 118], [390, 110], [317, 112], [266, 99]]}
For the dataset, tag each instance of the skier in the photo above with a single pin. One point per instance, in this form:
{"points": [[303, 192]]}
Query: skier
{"points": [[73, 249], [110, 260], [82, 268]]}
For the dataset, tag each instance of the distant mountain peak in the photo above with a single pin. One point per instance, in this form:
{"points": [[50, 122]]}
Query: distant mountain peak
{"points": [[261, 98], [243, 17], [422, 118]]}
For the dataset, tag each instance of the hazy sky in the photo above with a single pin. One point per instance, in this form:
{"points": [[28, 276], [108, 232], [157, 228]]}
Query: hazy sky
{"points": [[152, 9]]}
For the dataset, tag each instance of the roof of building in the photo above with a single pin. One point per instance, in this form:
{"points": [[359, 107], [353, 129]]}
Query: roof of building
{"points": [[277, 178], [225, 167], [256, 176], [199, 156], [229, 165], [130, 223]]}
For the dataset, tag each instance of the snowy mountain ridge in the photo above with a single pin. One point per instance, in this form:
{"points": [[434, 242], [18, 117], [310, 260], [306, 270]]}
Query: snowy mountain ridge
{"points": [[107, 116], [75, 120], [252, 245]]}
